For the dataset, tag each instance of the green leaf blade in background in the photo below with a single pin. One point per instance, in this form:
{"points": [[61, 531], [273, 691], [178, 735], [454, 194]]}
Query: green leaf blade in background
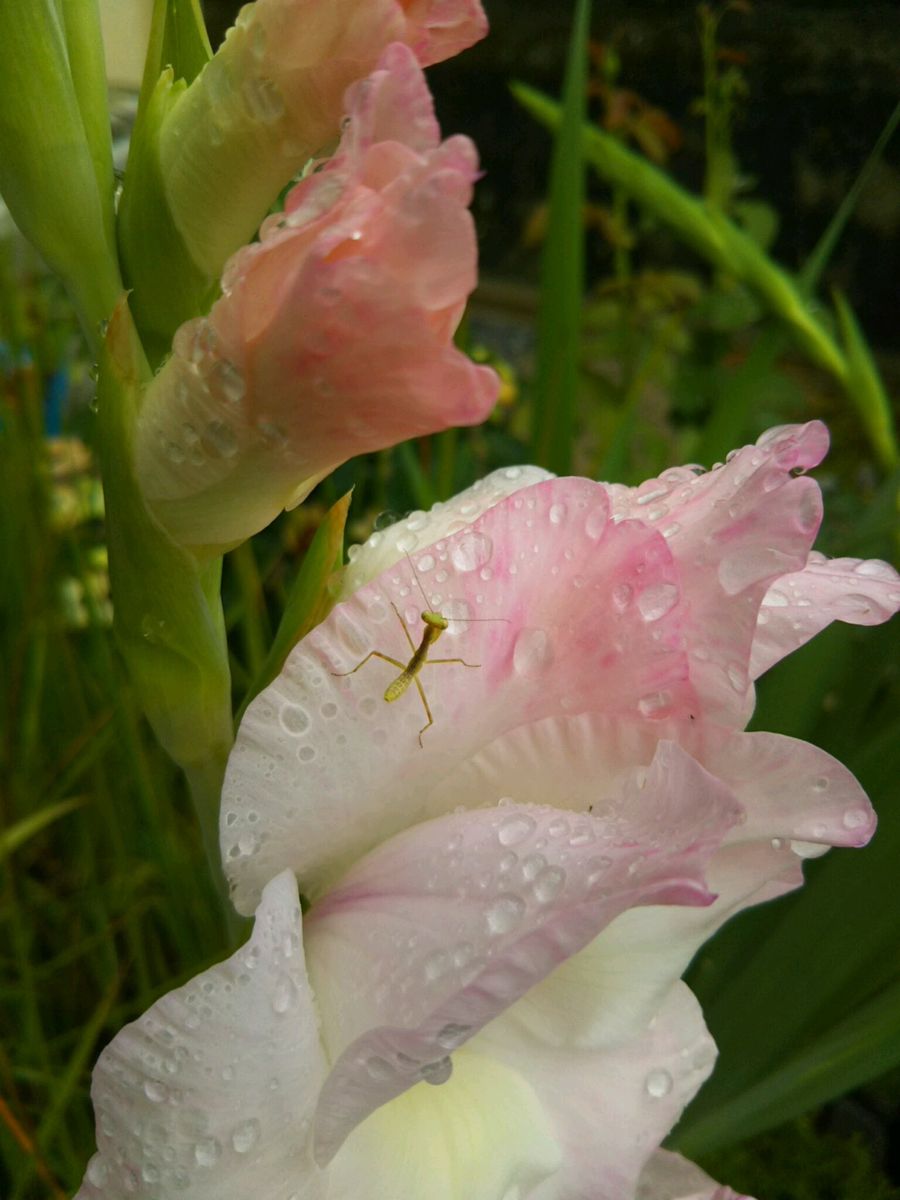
{"points": [[562, 269]]}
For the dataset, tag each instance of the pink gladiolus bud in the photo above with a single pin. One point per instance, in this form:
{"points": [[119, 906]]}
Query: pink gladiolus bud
{"points": [[271, 98], [333, 336]]}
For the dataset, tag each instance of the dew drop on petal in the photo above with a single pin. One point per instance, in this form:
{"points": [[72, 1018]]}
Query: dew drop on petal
{"points": [[207, 1152], [533, 865], [515, 829], [294, 719], [97, 1171], [532, 652], [155, 1091], [471, 551], [549, 884], [504, 914], [284, 995], [658, 599], [855, 818], [245, 1136], [658, 1084], [438, 1072], [622, 596], [557, 514], [452, 1035], [655, 705]]}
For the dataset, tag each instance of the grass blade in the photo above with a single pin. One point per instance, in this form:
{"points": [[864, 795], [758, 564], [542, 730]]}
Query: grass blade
{"points": [[562, 269]]}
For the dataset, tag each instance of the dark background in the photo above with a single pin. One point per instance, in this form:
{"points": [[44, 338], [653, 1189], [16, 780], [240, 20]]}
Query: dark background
{"points": [[822, 81]]}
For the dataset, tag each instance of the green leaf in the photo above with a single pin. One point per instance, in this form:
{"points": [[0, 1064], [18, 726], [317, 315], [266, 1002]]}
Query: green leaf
{"points": [[562, 268], [48, 173], [16, 835], [732, 251], [864, 384], [861, 1048], [88, 66], [311, 597], [824, 248]]}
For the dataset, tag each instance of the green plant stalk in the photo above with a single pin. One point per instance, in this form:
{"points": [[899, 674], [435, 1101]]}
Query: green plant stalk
{"points": [[726, 247]]}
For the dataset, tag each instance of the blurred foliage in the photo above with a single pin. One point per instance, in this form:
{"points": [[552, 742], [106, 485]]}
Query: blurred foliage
{"points": [[105, 900]]}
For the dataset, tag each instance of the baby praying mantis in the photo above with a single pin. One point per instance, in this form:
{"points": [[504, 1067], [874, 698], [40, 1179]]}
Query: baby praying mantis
{"points": [[435, 623]]}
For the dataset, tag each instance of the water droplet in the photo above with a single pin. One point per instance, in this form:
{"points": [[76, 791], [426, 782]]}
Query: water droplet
{"points": [[222, 438], [597, 868], [737, 677], [294, 719], [658, 599], [655, 705], [855, 818], [97, 1171], [557, 514], [407, 542], [658, 1084], [207, 1152], [775, 599], [426, 563], [622, 596], [875, 569], [436, 965], [306, 753], [471, 551], [451, 1035], [262, 99], [820, 784], [549, 884], [438, 1072], [515, 829], [155, 1091], [284, 995], [533, 865], [532, 652], [505, 913], [245, 1136]]}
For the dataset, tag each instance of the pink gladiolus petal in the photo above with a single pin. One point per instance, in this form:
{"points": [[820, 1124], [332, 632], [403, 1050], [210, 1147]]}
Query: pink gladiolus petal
{"points": [[799, 605], [579, 614], [333, 336], [734, 530], [798, 801], [668, 1176], [211, 1091], [431, 935]]}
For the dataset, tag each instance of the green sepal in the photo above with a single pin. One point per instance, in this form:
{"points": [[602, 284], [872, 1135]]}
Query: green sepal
{"points": [[50, 159], [168, 618], [311, 597], [168, 287]]}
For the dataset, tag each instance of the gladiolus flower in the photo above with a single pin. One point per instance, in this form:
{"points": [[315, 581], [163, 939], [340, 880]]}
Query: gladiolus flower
{"points": [[333, 336], [503, 909]]}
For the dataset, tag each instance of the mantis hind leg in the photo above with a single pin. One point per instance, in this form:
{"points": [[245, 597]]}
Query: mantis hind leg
{"points": [[434, 662], [430, 720]]}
